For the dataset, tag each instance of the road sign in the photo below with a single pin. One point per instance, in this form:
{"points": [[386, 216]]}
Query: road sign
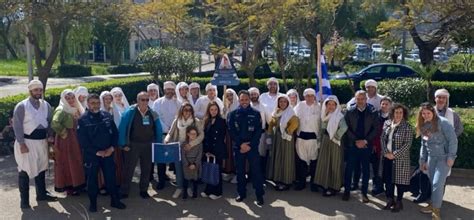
{"points": [[225, 74]]}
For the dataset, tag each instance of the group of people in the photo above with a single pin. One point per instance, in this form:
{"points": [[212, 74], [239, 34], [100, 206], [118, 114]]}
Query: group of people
{"points": [[269, 139]]}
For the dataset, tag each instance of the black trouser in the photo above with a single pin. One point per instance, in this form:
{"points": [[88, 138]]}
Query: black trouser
{"points": [[24, 186], [138, 151], [186, 184], [107, 165], [376, 180], [389, 182], [303, 170], [215, 189], [355, 158]]}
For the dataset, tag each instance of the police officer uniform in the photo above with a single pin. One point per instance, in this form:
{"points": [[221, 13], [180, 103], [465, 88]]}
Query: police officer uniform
{"points": [[245, 125], [97, 132]]}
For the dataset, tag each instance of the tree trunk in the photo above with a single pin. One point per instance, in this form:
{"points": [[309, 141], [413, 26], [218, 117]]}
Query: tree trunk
{"points": [[426, 47], [44, 70], [281, 64], [9, 45], [62, 45], [426, 54]]}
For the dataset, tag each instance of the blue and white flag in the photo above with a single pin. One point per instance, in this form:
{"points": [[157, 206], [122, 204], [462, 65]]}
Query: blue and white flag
{"points": [[325, 80]]}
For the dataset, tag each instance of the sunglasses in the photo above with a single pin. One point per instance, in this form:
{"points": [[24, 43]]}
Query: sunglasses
{"points": [[144, 100]]}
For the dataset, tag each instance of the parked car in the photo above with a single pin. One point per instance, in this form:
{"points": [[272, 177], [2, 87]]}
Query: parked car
{"points": [[377, 48], [378, 72], [304, 52]]}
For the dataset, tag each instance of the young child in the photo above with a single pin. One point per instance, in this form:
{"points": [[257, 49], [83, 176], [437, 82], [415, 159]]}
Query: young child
{"points": [[191, 159]]}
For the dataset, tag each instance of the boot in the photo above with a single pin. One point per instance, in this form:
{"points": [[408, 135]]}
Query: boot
{"points": [[41, 193], [398, 206], [427, 210], [24, 186], [390, 204], [115, 202], [436, 215]]}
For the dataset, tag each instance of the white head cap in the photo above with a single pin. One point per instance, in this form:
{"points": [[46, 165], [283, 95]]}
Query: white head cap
{"points": [[442, 92], [309, 91], [254, 90], [273, 79], [370, 82], [81, 90], [169, 85], [35, 84]]}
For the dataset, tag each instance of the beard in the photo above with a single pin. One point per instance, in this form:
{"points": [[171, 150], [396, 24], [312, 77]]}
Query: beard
{"points": [[254, 99]]}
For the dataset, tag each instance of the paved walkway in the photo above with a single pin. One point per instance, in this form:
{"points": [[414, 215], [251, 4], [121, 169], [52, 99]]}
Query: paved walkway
{"points": [[458, 204]]}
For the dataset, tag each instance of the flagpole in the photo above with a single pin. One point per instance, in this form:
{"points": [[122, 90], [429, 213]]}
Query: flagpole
{"points": [[318, 66]]}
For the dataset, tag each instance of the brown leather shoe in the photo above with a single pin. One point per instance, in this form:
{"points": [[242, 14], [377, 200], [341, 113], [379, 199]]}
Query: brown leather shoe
{"points": [[365, 199]]}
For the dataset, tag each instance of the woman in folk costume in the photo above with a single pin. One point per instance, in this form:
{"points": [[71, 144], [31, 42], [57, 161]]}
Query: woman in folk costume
{"points": [[120, 104], [211, 95], [308, 138], [182, 93], [153, 91], [81, 93], [106, 100], [106, 104], [294, 97], [195, 91], [283, 124], [396, 139], [231, 102], [330, 165], [68, 169]]}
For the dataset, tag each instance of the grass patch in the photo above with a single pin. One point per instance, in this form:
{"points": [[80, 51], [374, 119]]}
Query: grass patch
{"points": [[20, 68]]}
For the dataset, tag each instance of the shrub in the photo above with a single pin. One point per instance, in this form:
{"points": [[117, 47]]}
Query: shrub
{"points": [[124, 69], [69, 70], [461, 63], [408, 91], [411, 92], [454, 76]]}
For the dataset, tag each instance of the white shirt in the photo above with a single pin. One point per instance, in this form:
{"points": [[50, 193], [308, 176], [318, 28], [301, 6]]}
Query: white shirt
{"points": [[166, 110], [310, 117], [260, 107], [270, 103], [201, 106], [34, 117]]}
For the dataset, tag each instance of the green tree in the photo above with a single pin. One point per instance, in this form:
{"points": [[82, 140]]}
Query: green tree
{"points": [[430, 22], [278, 40], [49, 19], [112, 27]]}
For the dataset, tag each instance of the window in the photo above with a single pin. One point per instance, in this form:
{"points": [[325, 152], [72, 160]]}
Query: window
{"points": [[393, 71], [374, 72]]}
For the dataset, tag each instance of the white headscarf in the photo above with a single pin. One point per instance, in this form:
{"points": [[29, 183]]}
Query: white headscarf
{"points": [[118, 110], [155, 87], [228, 107], [77, 110], [178, 95], [254, 90], [293, 92], [284, 116], [81, 90], [102, 104], [210, 86], [332, 118], [35, 84]]}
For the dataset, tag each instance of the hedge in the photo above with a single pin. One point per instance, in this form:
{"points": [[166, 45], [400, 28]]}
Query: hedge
{"points": [[131, 87], [70, 70], [412, 92], [124, 69]]}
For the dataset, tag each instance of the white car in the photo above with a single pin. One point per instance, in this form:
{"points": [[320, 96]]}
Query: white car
{"points": [[377, 48], [304, 53]]}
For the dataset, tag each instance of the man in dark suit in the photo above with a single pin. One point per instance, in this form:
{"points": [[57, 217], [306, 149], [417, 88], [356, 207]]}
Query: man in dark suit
{"points": [[362, 121]]}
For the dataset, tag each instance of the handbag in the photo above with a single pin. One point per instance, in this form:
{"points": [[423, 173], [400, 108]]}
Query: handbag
{"points": [[210, 172], [166, 153]]}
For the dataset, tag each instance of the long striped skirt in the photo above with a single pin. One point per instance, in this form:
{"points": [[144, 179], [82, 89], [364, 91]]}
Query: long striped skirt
{"points": [[330, 166]]}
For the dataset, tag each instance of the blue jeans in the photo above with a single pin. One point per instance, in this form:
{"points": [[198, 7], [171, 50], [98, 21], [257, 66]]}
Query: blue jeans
{"points": [[438, 170], [178, 169], [357, 157]]}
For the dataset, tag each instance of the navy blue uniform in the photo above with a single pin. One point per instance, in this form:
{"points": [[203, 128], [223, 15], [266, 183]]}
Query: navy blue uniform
{"points": [[245, 125], [98, 132]]}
